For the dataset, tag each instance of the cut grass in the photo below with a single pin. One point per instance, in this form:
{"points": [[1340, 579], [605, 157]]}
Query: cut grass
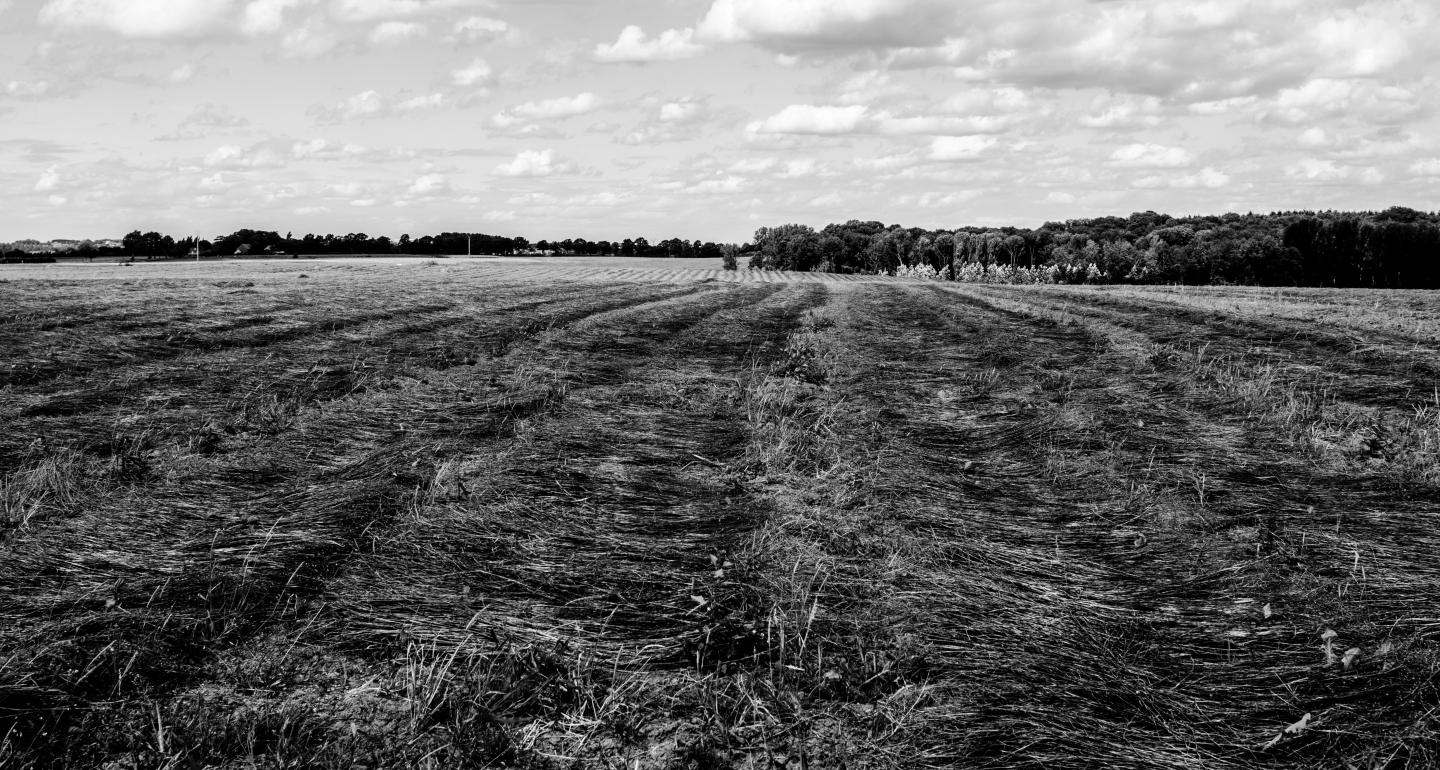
{"points": [[707, 525]]}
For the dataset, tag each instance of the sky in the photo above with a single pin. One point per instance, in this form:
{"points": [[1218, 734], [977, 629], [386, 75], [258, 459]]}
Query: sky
{"points": [[702, 119]]}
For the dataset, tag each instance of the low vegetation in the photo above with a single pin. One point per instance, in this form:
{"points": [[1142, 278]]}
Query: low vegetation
{"points": [[442, 518]]}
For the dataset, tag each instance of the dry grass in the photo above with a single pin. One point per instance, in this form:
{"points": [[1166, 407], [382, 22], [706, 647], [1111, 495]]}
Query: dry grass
{"points": [[352, 521]]}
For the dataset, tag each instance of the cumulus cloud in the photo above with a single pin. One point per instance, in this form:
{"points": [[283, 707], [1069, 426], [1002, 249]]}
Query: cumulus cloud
{"points": [[236, 157], [1318, 170], [392, 32], [1207, 178], [536, 163], [25, 89], [381, 10], [1327, 97], [50, 180], [633, 46], [370, 104], [210, 115], [138, 18], [1142, 155], [481, 29], [960, 148], [265, 16], [547, 109], [475, 73], [429, 184], [1428, 167], [807, 25], [809, 119]]}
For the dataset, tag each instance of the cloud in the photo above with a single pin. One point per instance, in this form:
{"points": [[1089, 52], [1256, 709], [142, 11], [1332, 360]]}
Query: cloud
{"points": [[960, 148], [677, 120], [807, 119], [392, 32], [181, 74], [807, 25], [1317, 170], [533, 163], [1207, 178], [214, 116], [475, 73], [1362, 100], [481, 29], [265, 16], [1141, 155], [22, 89], [498, 216], [430, 184], [138, 18], [1427, 167], [632, 46], [322, 149], [547, 109], [233, 156], [370, 104], [50, 180], [1123, 112], [382, 10]]}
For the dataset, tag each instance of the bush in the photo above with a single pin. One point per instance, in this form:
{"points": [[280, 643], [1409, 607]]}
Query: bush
{"points": [[728, 259]]}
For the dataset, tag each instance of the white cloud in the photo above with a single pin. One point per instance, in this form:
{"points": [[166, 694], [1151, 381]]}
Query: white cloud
{"points": [[480, 29], [959, 148], [138, 18], [1206, 178], [363, 104], [213, 116], [426, 102], [548, 109], [233, 156], [265, 16], [370, 104], [381, 10], [391, 32], [809, 119], [1425, 167], [1141, 155], [1314, 137], [26, 89], [791, 25], [476, 72], [1123, 112], [50, 180], [536, 163], [498, 216], [1317, 170], [181, 74], [633, 46], [430, 184]]}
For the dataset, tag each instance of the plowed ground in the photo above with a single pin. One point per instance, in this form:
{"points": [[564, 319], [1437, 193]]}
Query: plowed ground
{"points": [[447, 518]]}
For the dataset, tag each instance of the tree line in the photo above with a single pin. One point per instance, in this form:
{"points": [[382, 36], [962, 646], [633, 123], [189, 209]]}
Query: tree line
{"points": [[1395, 248], [262, 242]]}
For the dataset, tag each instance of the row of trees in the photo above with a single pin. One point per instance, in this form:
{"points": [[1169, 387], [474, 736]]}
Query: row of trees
{"points": [[1395, 248], [257, 242]]}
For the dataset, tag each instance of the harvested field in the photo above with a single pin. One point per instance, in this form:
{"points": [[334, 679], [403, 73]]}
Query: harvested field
{"points": [[501, 514]]}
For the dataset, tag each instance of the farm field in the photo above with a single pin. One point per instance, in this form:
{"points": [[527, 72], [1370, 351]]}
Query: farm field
{"points": [[555, 515]]}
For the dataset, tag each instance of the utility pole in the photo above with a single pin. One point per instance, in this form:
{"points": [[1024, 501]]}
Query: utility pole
{"points": [[197, 245], [467, 244]]}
